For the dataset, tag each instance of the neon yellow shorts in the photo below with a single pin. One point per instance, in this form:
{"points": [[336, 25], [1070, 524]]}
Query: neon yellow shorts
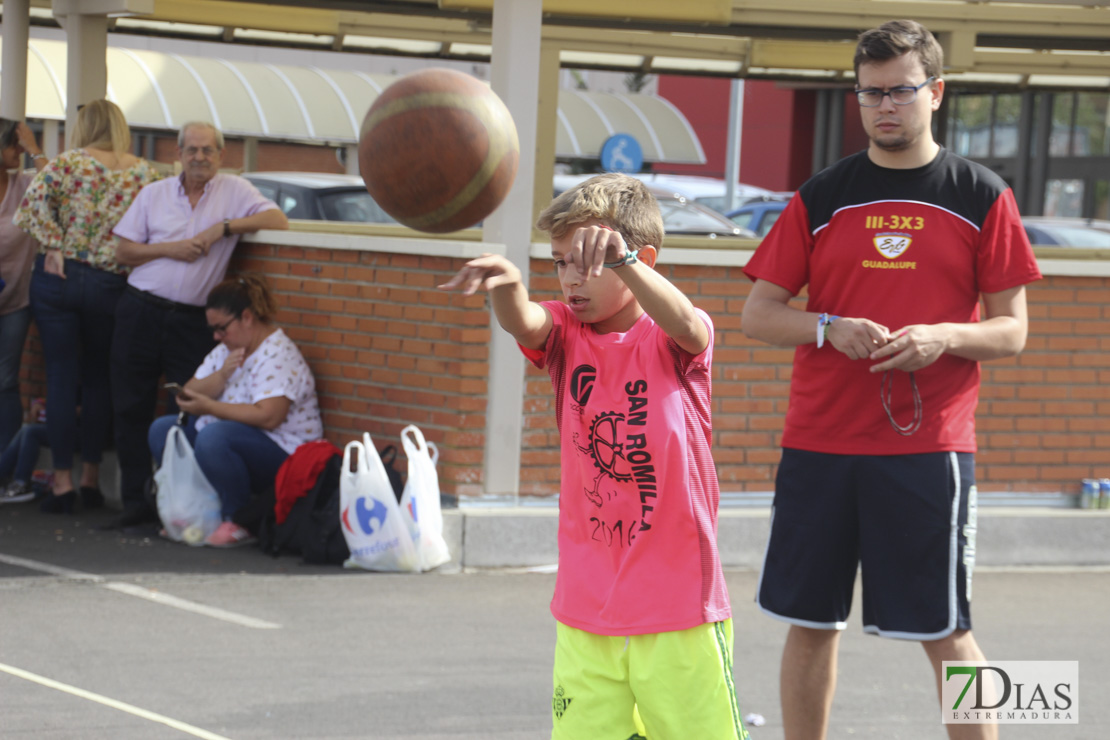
{"points": [[663, 686]]}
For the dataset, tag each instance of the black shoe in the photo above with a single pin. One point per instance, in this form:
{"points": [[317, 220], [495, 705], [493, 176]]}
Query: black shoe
{"points": [[91, 498], [134, 517], [59, 504]]}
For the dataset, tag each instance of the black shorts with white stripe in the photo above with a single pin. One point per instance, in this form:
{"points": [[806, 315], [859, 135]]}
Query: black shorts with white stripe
{"points": [[906, 522]]}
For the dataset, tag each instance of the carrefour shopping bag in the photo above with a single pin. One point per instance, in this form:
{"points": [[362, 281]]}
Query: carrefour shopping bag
{"points": [[420, 500], [188, 505], [369, 515]]}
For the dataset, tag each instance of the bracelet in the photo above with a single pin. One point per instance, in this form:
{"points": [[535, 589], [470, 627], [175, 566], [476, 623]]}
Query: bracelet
{"points": [[40, 155], [823, 321], [227, 227], [629, 258]]}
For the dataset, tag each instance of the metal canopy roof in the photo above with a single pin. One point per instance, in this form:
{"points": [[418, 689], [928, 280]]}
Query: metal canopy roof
{"points": [[1006, 42], [307, 103]]}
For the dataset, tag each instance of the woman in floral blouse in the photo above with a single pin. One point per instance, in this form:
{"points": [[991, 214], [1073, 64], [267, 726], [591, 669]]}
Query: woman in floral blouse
{"points": [[252, 401], [71, 208]]}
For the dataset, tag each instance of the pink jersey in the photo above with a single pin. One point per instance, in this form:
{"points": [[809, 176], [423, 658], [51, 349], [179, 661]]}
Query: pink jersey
{"points": [[638, 499]]}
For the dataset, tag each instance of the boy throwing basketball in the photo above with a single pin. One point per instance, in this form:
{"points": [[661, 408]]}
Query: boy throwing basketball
{"points": [[643, 619]]}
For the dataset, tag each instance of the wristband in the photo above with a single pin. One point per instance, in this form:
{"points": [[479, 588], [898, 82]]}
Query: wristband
{"points": [[40, 155], [823, 322], [629, 258], [227, 227]]}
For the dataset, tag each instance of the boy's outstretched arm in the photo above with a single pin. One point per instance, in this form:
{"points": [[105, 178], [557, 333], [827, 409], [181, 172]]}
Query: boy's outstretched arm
{"points": [[661, 300], [527, 321]]}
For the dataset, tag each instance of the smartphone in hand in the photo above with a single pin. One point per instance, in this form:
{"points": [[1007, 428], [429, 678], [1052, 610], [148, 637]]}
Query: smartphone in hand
{"points": [[174, 388]]}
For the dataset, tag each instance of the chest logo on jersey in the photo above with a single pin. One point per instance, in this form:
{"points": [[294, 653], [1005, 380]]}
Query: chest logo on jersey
{"points": [[892, 245], [581, 383]]}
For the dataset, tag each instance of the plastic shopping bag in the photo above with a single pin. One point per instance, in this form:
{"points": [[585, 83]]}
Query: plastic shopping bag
{"points": [[188, 505], [371, 519], [420, 500]]}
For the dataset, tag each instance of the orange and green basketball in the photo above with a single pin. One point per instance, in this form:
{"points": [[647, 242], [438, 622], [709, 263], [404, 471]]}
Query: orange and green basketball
{"points": [[438, 150]]}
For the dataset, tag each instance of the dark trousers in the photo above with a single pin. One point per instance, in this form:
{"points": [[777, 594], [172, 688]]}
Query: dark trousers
{"points": [[75, 316], [153, 339]]}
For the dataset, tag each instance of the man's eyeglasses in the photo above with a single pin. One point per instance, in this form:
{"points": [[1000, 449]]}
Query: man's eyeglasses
{"points": [[207, 151], [904, 95], [222, 328]]}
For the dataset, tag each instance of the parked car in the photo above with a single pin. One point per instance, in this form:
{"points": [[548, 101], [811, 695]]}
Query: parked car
{"points": [[707, 191], [1067, 232], [758, 214], [320, 196], [680, 214]]}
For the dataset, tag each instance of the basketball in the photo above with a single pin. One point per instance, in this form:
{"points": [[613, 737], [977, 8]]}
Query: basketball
{"points": [[438, 150]]}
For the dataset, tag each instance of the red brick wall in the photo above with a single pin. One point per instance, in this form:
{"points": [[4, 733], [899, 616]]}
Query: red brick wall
{"points": [[389, 349]]}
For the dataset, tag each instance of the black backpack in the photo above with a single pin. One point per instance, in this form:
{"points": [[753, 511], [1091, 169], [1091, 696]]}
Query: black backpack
{"points": [[312, 528]]}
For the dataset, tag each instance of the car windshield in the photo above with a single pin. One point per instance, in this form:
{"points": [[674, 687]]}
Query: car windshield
{"points": [[679, 217], [353, 205]]}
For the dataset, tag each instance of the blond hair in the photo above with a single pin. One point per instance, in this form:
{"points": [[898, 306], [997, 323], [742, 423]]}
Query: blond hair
{"points": [[100, 125], [620, 202]]}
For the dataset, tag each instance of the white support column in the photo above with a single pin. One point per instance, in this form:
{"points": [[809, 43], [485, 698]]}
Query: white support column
{"points": [[732, 148], [86, 68], [250, 154], [17, 21], [351, 160], [50, 146], [515, 74]]}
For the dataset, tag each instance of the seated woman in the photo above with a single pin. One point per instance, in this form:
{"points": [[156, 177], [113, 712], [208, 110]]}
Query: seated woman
{"points": [[251, 402]]}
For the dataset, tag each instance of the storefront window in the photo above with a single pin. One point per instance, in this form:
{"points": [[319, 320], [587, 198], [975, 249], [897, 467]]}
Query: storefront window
{"points": [[1090, 124]]}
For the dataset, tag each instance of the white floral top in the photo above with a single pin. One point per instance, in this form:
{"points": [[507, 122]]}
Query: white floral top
{"points": [[275, 369]]}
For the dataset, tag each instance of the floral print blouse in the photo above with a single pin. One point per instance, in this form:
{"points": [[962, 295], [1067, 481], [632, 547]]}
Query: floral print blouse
{"points": [[276, 368], [74, 203]]}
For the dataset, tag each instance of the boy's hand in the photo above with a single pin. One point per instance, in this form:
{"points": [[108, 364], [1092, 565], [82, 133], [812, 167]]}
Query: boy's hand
{"points": [[486, 272], [592, 246]]}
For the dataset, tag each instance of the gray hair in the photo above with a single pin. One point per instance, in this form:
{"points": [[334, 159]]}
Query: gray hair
{"points": [[199, 124]]}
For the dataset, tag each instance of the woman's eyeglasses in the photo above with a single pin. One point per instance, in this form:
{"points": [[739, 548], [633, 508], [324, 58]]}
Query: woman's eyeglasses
{"points": [[222, 328]]}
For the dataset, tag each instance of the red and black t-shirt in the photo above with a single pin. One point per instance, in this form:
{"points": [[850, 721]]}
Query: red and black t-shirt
{"points": [[898, 247]]}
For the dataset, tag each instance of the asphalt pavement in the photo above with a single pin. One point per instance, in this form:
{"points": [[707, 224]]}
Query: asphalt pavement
{"points": [[131, 637]]}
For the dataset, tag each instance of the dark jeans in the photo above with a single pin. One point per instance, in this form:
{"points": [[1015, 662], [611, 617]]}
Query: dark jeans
{"points": [[152, 340], [237, 459], [76, 316], [13, 335], [19, 457]]}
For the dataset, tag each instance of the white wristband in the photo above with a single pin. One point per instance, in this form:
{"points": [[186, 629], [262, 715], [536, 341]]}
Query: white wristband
{"points": [[823, 321]]}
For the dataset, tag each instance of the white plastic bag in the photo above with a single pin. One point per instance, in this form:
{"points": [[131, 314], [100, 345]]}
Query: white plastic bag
{"points": [[188, 505], [420, 500], [372, 524]]}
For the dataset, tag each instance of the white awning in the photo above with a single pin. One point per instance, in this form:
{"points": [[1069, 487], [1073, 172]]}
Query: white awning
{"points": [[305, 103]]}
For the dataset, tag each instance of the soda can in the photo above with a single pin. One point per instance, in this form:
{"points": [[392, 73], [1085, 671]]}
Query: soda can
{"points": [[1089, 494], [1104, 493]]}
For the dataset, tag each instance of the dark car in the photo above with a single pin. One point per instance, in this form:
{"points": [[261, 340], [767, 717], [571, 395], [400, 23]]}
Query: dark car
{"points": [[1048, 231], [320, 196], [758, 215]]}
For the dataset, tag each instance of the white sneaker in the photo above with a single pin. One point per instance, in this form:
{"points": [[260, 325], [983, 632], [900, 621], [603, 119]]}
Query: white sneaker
{"points": [[16, 492]]}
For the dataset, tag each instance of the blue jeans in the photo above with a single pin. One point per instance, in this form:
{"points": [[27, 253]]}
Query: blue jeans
{"points": [[13, 335], [76, 316], [239, 460], [19, 457]]}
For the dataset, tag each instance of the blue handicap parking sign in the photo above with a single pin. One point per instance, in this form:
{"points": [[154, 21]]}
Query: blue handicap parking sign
{"points": [[622, 153]]}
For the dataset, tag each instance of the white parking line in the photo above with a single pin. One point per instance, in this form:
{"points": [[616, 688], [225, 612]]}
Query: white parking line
{"points": [[113, 703], [131, 589]]}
